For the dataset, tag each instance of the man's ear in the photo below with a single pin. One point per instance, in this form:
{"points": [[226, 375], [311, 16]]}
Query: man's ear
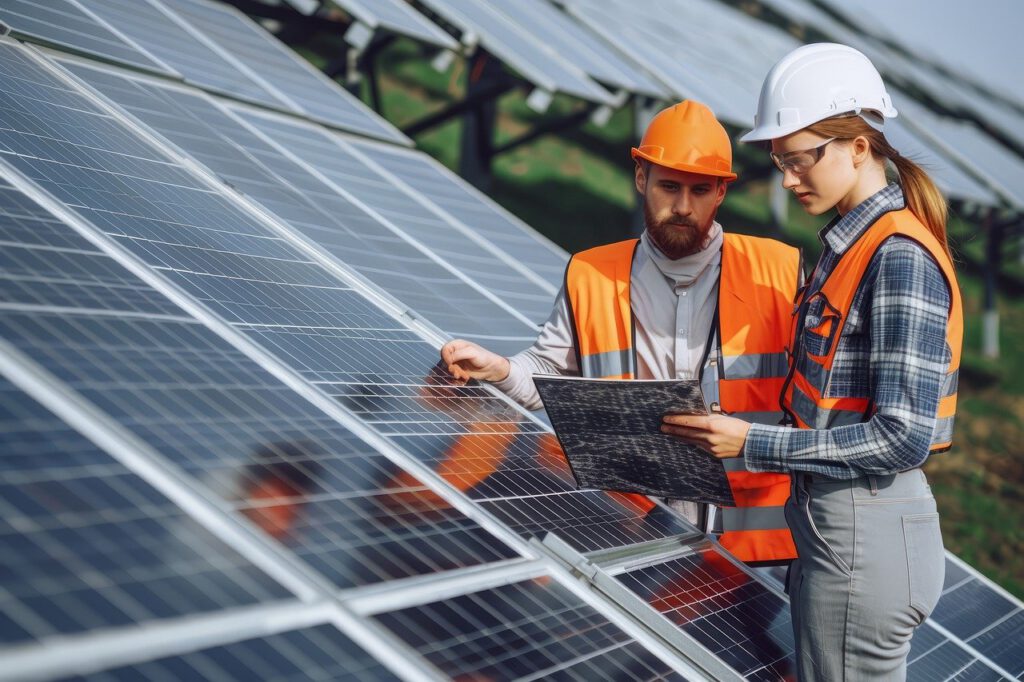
{"points": [[640, 178]]}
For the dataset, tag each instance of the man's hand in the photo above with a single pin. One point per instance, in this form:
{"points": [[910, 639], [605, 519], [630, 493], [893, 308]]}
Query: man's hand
{"points": [[722, 436], [467, 360]]}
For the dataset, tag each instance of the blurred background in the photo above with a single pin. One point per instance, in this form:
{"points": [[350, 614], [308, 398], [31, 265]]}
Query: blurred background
{"points": [[543, 123]]}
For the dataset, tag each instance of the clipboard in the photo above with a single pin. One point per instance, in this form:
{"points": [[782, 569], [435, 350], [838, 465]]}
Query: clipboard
{"points": [[610, 431]]}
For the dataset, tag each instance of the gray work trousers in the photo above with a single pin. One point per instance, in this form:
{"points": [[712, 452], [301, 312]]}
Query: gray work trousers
{"points": [[870, 570]]}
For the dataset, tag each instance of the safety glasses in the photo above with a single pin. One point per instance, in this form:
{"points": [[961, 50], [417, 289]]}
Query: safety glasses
{"points": [[800, 161]]}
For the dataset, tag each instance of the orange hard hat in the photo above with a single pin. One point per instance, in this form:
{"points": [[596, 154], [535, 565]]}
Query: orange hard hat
{"points": [[687, 137]]}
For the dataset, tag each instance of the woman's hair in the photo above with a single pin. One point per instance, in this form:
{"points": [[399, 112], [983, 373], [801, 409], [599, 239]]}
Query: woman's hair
{"points": [[922, 196]]}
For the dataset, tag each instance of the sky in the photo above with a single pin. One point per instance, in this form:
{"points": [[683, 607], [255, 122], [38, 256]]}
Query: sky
{"points": [[982, 38]]}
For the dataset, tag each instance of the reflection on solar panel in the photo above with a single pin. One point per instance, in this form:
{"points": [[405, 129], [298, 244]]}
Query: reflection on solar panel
{"points": [[399, 17], [453, 196], [64, 23], [155, 28], [321, 653], [538, 62], [430, 286], [87, 544], [724, 609], [292, 78], [335, 159], [526, 631]]}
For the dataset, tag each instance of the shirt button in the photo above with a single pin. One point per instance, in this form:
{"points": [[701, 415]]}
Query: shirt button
{"points": [[683, 294]]}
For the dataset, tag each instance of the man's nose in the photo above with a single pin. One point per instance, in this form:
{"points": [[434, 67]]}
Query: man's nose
{"points": [[683, 205]]}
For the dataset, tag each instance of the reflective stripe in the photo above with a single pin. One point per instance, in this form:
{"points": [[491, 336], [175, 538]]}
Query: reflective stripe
{"points": [[815, 373], [950, 384], [753, 518], [820, 418], [770, 418], [755, 365], [943, 431], [610, 364], [709, 384]]}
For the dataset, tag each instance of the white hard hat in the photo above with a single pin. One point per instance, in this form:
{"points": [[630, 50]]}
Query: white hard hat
{"points": [[815, 82]]}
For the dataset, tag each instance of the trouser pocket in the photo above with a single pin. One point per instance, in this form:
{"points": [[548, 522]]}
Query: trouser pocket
{"points": [[926, 560]]}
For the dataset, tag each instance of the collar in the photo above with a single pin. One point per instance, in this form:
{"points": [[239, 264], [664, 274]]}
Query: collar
{"points": [[682, 272], [842, 231]]}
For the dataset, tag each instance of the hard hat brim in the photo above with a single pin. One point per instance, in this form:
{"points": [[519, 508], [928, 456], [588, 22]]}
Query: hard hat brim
{"points": [[685, 167]]}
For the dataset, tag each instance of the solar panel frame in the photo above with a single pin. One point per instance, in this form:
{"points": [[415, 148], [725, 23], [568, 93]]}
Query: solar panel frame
{"points": [[289, 77]]}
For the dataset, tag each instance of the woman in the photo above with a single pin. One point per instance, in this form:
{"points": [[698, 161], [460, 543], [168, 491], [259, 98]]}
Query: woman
{"points": [[873, 368]]}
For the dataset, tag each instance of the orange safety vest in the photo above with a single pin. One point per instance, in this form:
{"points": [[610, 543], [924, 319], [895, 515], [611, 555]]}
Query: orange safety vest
{"points": [[743, 374], [807, 397]]}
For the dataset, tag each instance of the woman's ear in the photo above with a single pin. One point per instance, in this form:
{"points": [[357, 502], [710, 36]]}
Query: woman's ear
{"points": [[860, 150]]}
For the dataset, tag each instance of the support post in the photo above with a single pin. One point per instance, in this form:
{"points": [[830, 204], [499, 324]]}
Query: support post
{"points": [[485, 75], [990, 320]]}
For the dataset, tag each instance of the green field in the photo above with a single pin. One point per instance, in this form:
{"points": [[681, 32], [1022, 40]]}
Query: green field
{"points": [[577, 189]]}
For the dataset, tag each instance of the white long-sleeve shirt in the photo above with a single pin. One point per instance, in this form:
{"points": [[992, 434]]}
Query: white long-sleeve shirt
{"points": [[673, 304]]}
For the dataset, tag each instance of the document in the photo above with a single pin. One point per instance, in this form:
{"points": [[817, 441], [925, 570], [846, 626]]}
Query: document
{"points": [[610, 431]]}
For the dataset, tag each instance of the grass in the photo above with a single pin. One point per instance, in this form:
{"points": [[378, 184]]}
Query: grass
{"points": [[577, 188]]}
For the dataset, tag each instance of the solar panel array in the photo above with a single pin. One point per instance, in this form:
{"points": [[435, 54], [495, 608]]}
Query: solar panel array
{"points": [[226, 449]]}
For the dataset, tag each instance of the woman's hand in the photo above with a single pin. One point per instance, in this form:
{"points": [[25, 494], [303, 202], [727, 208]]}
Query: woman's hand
{"points": [[722, 436]]}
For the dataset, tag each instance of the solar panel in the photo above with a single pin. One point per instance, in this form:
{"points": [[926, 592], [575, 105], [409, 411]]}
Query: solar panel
{"points": [[153, 27], [291, 77], [430, 286], [399, 17], [66, 24], [335, 159], [599, 59], [528, 630], [539, 63], [454, 197]]}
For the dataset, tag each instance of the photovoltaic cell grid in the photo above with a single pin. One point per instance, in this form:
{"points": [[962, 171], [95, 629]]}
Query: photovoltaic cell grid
{"points": [[87, 544], [148, 25], [290, 470], [319, 653], [425, 285], [63, 23], [539, 63], [476, 211], [305, 87], [983, 617], [331, 156], [303, 315], [528, 630], [724, 609], [398, 16]]}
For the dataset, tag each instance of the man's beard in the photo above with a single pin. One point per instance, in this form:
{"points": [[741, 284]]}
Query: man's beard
{"points": [[676, 237]]}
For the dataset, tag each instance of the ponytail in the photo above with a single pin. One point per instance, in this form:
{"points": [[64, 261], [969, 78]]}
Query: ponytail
{"points": [[922, 197]]}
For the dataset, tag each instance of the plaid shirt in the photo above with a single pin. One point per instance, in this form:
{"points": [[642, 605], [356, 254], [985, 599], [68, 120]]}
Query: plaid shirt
{"points": [[892, 349]]}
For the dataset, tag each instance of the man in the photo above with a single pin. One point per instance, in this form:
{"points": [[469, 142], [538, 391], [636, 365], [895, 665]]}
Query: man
{"points": [[684, 301]]}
